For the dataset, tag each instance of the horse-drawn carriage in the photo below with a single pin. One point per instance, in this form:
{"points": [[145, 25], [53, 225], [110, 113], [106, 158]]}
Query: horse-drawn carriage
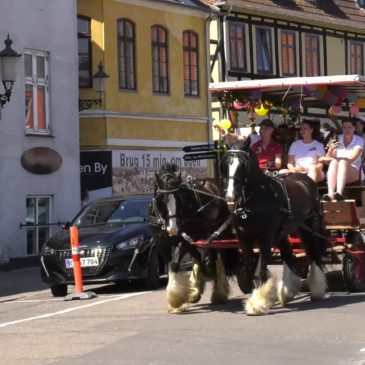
{"points": [[236, 228]]}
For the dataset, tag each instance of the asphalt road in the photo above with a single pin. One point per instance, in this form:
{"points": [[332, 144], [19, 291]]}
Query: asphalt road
{"points": [[126, 325]]}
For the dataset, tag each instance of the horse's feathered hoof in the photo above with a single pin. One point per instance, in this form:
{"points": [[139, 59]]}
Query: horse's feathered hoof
{"points": [[289, 286], [178, 289], [181, 309], [195, 297], [262, 298], [316, 282]]}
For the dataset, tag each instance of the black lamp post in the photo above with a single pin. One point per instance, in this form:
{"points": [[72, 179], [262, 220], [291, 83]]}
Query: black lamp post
{"points": [[8, 67], [99, 81]]}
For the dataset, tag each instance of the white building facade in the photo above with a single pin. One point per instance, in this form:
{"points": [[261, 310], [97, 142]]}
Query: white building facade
{"points": [[39, 128]]}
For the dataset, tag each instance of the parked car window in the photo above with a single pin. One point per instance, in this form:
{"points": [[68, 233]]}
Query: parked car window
{"points": [[113, 212]]}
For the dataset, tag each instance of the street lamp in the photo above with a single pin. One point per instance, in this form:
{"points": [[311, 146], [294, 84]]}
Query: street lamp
{"points": [[99, 81], [8, 67]]}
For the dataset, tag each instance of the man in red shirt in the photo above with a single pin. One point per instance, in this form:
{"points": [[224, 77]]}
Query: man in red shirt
{"points": [[269, 153]]}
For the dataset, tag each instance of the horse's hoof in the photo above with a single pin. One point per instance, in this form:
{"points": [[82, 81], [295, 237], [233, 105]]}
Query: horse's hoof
{"points": [[218, 299], [181, 309], [285, 294], [252, 310], [195, 298]]}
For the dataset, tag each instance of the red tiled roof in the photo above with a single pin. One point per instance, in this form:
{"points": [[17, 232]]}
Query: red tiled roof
{"points": [[343, 13]]}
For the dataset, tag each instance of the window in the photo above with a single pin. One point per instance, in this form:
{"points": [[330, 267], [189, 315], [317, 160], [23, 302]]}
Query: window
{"points": [[126, 55], [191, 67], [36, 91], [361, 3], [288, 59], [38, 219], [159, 60], [84, 49], [356, 58], [312, 55], [263, 51], [237, 49]]}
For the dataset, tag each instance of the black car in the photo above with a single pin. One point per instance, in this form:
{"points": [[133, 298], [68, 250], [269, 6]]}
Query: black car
{"points": [[115, 245]]}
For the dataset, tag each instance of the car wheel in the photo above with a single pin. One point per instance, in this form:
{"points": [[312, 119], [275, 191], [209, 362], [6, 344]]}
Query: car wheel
{"points": [[59, 290], [152, 280]]}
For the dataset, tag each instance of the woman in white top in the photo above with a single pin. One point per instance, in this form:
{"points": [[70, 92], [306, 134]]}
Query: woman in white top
{"points": [[305, 154], [344, 157]]}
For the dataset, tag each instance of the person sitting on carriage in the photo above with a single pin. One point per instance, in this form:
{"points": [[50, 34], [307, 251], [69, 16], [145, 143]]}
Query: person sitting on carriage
{"points": [[344, 158], [306, 154], [269, 152]]}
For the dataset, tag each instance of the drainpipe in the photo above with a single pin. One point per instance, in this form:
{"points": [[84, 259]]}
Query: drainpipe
{"points": [[207, 58]]}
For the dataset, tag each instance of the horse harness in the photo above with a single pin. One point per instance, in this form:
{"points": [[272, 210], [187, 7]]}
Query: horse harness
{"points": [[272, 180], [159, 221]]}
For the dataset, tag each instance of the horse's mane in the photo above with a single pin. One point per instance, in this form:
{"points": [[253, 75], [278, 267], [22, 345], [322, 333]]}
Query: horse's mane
{"points": [[168, 167]]}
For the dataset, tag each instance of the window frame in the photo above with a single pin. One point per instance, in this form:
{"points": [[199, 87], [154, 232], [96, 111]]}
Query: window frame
{"points": [[83, 35], [237, 51], [290, 50], [36, 227], [357, 56], [160, 49], [312, 54], [35, 82], [125, 42], [267, 31], [188, 52]]}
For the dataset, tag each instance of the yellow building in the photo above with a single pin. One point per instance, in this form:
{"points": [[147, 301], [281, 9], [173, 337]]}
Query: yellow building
{"points": [[156, 100]]}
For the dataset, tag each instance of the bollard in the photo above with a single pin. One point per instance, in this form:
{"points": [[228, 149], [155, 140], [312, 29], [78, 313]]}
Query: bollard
{"points": [[75, 249]]}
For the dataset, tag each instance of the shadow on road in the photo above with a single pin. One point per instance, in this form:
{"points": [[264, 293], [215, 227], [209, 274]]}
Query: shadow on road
{"points": [[20, 281]]}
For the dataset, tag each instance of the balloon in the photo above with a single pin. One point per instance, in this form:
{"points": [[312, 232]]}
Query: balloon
{"points": [[261, 111], [256, 93], [354, 110], [308, 91], [337, 109], [360, 103], [332, 99], [351, 98], [225, 124], [318, 94], [295, 104], [338, 91], [237, 105], [322, 88], [339, 100]]}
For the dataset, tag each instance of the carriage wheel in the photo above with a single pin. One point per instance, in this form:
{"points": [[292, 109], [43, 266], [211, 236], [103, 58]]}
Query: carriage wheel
{"points": [[353, 272], [356, 240]]}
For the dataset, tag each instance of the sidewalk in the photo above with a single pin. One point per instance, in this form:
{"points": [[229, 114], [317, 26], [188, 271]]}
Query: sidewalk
{"points": [[20, 283]]}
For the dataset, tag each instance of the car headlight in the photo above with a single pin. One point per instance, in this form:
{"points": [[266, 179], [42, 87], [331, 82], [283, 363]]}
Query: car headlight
{"points": [[46, 250], [131, 243]]}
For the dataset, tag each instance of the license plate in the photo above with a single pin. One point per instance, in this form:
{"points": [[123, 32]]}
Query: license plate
{"points": [[85, 262]]}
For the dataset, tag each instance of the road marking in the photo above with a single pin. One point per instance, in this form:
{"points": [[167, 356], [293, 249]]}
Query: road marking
{"points": [[68, 310], [14, 301]]}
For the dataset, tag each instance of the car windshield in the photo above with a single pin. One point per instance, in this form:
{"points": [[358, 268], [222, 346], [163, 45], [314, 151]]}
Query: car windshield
{"points": [[113, 212]]}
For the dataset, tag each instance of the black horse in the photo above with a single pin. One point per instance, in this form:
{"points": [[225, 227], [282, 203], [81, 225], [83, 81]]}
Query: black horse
{"points": [[180, 214], [267, 209]]}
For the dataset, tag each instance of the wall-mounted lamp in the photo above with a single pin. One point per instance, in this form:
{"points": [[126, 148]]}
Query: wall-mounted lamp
{"points": [[99, 81], [8, 67]]}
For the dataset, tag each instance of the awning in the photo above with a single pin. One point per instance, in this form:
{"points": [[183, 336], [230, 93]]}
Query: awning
{"points": [[316, 92]]}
